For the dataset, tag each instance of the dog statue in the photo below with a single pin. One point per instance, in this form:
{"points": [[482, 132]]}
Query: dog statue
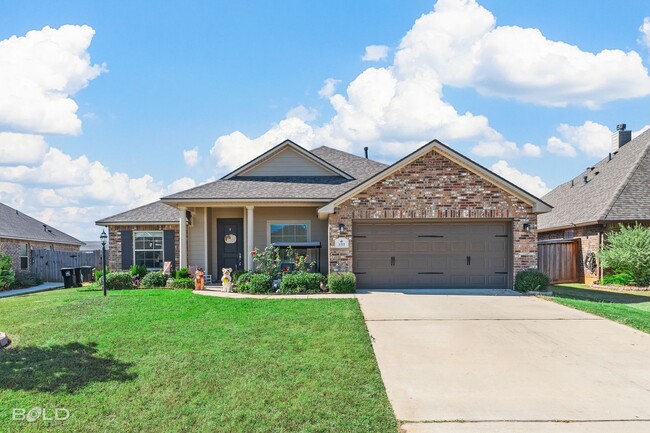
{"points": [[226, 280]]}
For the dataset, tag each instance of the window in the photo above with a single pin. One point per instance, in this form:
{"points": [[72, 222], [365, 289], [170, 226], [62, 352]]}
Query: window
{"points": [[148, 249], [24, 256], [290, 231]]}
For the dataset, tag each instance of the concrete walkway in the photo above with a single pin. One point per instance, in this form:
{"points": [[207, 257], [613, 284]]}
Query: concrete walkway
{"points": [[459, 363], [40, 288]]}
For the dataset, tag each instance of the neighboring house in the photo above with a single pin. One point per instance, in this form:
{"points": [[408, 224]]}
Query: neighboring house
{"points": [[20, 234], [434, 219], [586, 208]]}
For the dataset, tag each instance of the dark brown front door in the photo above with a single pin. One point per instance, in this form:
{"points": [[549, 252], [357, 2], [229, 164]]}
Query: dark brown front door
{"points": [[230, 244]]}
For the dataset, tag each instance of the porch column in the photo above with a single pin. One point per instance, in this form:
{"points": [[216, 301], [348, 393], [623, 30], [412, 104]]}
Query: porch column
{"points": [[250, 227], [182, 236]]}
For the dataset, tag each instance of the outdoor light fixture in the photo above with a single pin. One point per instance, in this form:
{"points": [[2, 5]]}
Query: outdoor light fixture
{"points": [[526, 225], [341, 227], [103, 238]]}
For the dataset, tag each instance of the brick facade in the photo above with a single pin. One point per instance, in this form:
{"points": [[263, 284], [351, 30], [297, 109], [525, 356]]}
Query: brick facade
{"points": [[114, 252], [434, 188], [11, 247]]}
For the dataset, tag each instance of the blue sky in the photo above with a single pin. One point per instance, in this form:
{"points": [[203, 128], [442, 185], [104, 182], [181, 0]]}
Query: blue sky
{"points": [[167, 77]]}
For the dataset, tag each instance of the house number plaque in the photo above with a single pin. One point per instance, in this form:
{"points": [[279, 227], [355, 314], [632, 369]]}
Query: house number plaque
{"points": [[341, 243]]}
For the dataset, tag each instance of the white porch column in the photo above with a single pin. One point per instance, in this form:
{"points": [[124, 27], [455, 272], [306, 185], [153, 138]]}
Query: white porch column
{"points": [[182, 237], [250, 227]]}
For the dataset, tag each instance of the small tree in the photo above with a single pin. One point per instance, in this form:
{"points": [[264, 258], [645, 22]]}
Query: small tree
{"points": [[7, 274], [628, 251]]}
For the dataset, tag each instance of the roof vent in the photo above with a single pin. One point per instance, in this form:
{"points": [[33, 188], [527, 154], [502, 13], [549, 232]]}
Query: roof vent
{"points": [[620, 137], [586, 179], [365, 149]]}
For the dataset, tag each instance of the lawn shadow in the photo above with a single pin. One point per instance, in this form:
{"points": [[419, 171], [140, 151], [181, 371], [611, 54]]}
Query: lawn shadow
{"points": [[61, 368], [598, 295]]}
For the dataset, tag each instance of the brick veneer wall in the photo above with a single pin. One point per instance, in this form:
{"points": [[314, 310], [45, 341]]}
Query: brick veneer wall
{"points": [[11, 247], [114, 252], [590, 239], [437, 189]]}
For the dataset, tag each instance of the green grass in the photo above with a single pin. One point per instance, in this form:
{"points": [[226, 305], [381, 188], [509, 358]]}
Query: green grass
{"points": [[173, 361], [626, 307]]}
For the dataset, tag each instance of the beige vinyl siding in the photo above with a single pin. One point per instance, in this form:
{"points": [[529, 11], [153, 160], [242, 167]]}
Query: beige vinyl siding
{"points": [[318, 227], [288, 163], [196, 236]]}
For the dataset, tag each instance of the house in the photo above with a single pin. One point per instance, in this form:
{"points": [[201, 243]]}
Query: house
{"points": [[20, 234], [592, 204], [434, 219]]}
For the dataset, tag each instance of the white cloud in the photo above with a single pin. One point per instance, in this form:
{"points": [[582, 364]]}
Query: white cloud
{"points": [[533, 184], [180, 185], [375, 53], [461, 42], [498, 148], [635, 134], [191, 156], [40, 72], [329, 87], [21, 148], [530, 149], [591, 138], [303, 113], [558, 147], [645, 32]]}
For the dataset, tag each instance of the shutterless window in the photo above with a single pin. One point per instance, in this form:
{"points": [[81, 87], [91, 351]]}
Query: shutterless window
{"points": [[148, 249], [24, 256], [288, 231]]}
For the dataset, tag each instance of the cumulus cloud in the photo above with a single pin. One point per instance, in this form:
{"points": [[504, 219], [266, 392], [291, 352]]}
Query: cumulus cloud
{"points": [[640, 131], [558, 147], [21, 148], [645, 33], [329, 87], [303, 113], [530, 149], [39, 74], [590, 138], [375, 53], [180, 185], [191, 156], [533, 184]]}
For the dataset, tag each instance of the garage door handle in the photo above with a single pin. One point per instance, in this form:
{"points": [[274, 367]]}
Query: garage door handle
{"points": [[392, 261], [469, 260]]}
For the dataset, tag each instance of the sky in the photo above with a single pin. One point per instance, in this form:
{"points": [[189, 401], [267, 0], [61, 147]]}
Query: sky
{"points": [[105, 106]]}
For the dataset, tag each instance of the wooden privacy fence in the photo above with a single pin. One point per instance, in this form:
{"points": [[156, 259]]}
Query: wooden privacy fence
{"points": [[559, 259], [47, 264]]}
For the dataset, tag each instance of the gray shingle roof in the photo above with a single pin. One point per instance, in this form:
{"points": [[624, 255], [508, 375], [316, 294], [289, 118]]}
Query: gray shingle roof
{"points": [[617, 190], [17, 225], [314, 187], [153, 212]]}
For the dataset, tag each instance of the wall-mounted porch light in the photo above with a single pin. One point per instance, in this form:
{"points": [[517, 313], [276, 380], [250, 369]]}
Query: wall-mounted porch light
{"points": [[341, 227], [526, 224]]}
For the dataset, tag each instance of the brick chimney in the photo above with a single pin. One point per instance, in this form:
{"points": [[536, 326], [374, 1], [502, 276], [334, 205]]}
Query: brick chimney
{"points": [[620, 137]]}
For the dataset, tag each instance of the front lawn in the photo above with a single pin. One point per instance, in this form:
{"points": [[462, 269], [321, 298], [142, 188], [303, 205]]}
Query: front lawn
{"points": [[628, 308], [173, 361]]}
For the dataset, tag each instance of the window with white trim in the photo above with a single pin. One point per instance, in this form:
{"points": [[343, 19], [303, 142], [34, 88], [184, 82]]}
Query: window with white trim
{"points": [[288, 231], [24, 256], [148, 249]]}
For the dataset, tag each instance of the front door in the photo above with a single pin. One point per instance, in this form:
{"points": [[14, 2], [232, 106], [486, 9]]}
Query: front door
{"points": [[230, 244]]}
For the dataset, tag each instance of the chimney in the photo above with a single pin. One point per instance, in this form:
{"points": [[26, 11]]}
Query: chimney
{"points": [[365, 149], [620, 137]]}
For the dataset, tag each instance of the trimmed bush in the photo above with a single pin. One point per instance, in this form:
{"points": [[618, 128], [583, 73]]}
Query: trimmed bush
{"points": [[628, 252], [119, 281], [621, 279], [183, 283], [154, 279], [242, 282], [237, 273], [260, 283], [182, 273], [345, 282], [26, 279], [301, 282], [139, 271], [531, 279], [99, 274]]}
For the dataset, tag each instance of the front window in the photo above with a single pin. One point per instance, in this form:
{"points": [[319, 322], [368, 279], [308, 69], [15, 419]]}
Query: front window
{"points": [[296, 231], [24, 256], [148, 249]]}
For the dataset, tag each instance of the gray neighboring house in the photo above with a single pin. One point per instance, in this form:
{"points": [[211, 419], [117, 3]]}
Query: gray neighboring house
{"points": [[20, 234], [586, 208]]}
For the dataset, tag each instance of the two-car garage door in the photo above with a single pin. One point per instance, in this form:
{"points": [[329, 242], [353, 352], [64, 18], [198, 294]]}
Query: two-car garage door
{"points": [[425, 255]]}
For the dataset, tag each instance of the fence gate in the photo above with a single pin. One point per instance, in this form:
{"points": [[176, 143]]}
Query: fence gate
{"points": [[559, 259], [47, 264]]}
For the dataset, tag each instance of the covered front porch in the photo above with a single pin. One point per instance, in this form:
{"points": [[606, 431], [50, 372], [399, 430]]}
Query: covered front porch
{"points": [[214, 236]]}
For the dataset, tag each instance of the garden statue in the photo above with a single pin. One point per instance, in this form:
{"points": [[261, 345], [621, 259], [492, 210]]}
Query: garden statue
{"points": [[226, 280], [198, 279]]}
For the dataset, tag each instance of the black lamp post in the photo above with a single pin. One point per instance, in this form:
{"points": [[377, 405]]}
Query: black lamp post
{"points": [[103, 237]]}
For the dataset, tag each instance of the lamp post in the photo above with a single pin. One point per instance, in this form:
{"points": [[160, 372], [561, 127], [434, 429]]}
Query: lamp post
{"points": [[103, 237]]}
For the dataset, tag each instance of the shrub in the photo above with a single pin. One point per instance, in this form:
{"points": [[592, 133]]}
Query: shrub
{"points": [[260, 283], [182, 273], [7, 273], [268, 261], [300, 282], [242, 282], [628, 251], [139, 271], [99, 274], [26, 279], [345, 282], [154, 279], [621, 279], [119, 281], [183, 283], [237, 273], [531, 279]]}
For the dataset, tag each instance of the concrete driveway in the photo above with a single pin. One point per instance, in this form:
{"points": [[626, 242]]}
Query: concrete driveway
{"points": [[461, 363]]}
